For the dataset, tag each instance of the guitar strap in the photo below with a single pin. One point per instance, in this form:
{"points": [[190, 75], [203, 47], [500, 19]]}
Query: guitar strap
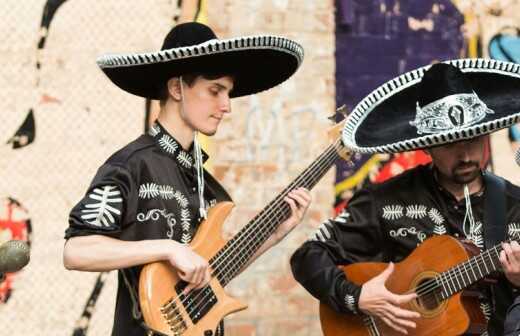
{"points": [[494, 233], [494, 210]]}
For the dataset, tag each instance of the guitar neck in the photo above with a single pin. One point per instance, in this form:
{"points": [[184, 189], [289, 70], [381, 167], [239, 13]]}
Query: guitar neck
{"points": [[239, 250], [469, 272]]}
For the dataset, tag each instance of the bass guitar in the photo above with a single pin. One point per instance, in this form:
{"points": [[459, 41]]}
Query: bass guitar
{"points": [[168, 311]]}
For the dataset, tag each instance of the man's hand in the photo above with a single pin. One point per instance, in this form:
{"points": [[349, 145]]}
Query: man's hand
{"points": [[191, 267], [299, 200], [377, 301], [510, 260]]}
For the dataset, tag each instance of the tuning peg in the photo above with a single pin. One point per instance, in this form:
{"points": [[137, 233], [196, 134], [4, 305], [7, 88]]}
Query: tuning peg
{"points": [[340, 110]]}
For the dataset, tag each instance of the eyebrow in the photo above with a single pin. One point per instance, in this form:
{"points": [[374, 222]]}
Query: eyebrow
{"points": [[222, 86]]}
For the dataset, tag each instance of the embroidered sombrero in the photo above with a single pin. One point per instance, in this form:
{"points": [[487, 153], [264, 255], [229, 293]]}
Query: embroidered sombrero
{"points": [[256, 62], [434, 105]]}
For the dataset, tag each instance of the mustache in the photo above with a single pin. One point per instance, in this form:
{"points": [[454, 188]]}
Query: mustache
{"points": [[470, 164]]}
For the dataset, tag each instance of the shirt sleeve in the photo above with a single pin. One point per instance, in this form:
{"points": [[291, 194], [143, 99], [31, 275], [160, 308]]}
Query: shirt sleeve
{"points": [[103, 208], [353, 236]]}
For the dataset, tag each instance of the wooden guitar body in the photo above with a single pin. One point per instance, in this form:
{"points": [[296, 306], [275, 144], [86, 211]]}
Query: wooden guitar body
{"points": [[454, 316], [158, 281]]}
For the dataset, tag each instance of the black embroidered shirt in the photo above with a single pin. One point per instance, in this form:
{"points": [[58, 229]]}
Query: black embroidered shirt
{"points": [[384, 223], [146, 190]]}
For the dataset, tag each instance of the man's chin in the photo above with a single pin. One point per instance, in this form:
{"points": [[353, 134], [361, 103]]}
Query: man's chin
{"points": [[466, 177]]}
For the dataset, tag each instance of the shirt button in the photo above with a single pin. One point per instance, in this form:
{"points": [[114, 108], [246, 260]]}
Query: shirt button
{"points": [[456, 235], [456, 207], [193, 189]]}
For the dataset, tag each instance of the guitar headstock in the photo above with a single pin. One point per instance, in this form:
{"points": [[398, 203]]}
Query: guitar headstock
{"points": [[334, 133]]}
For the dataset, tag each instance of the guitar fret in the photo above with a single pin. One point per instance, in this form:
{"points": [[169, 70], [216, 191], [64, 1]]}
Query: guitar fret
{"points": [[250, 238], [483, 256]]}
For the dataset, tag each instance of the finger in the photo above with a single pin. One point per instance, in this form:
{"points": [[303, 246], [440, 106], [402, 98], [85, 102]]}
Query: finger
{"points": [[300, 201], [505, 263], [292, 205], [402, 313], [392, 325], [398, 300], [304, 194], [205, 280], [188, 288]]}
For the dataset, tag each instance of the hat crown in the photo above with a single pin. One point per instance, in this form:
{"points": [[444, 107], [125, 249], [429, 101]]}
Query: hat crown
{"points": [[442, 80], [187, 34]]}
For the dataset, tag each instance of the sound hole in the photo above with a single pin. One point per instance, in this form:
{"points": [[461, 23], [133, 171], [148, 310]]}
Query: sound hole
{"points": [[429, 294]]}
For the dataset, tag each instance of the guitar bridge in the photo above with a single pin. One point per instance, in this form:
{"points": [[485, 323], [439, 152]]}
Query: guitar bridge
{"points": [[196, 303]]}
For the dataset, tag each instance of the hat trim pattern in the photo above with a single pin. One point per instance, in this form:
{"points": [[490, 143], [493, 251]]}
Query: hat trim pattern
{"points": [[362, 110], [440, 116], [211, 47]]}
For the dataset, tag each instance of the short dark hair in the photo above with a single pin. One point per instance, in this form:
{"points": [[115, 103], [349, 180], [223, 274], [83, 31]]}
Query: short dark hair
{"points": [[189, 79]]}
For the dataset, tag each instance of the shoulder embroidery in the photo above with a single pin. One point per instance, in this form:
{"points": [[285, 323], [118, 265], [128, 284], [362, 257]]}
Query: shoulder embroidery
{"points": [[184, 159], [154, 130], [100, 213], [513, 230], [152, 190], [168, 144], [322, 233], [392, 212], [435, 216], [416, 211]]}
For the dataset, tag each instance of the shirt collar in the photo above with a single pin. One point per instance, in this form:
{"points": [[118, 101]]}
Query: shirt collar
{"points": [[477, 197], [172, 148]]}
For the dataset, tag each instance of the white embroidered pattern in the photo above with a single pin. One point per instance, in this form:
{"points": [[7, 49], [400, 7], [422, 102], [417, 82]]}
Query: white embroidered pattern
{"points": [[435, 216], [322, 233], [102, 213], [342, 217], [439, 229], [154, 215], [513, 230], [152, 190], [148, 190], [476, 236], [416, 211], [181, 199], [185, 159], [168, 144], [350, 303], [154, 130], [404, 231], [486, 309], [186, 226], [166, 192], [392, 212]]}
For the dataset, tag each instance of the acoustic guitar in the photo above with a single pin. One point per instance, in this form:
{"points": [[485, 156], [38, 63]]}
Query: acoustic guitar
{"points": [[168, 311], [440, 271]]}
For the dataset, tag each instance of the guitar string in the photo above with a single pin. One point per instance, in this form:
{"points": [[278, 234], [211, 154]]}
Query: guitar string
{"points": [[327, 158], [453, 273]]}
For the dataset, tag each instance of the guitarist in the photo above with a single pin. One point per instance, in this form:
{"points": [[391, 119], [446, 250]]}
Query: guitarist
{"points": [[386, 222], [147, 200]]}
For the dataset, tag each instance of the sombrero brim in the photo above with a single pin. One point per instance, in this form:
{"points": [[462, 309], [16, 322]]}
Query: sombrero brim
{"points": [[257, 63], [380, 123]]}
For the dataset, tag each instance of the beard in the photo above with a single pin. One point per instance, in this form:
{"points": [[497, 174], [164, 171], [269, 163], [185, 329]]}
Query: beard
{"points": [[465, 173]]}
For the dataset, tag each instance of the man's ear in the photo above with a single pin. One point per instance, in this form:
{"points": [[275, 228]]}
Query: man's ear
{"points": [[174, 88]]}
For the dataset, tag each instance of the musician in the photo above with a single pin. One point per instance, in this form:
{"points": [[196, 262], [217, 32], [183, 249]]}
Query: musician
{"points": [[148, 199], [448, 111]]}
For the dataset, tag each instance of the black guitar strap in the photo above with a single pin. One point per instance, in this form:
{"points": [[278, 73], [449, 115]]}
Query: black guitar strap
{"points": [[494, 210], [495, 232]]}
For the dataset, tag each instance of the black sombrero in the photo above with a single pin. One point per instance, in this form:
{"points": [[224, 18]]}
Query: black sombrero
{"points": [[256, 62], [434, 105]]}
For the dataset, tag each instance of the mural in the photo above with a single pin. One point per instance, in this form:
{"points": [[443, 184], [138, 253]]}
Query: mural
{"points": [[377, 40]]}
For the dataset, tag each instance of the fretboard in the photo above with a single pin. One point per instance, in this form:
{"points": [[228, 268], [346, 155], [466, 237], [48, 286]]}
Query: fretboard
{"points": [[229, 261], [469, 272]]}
